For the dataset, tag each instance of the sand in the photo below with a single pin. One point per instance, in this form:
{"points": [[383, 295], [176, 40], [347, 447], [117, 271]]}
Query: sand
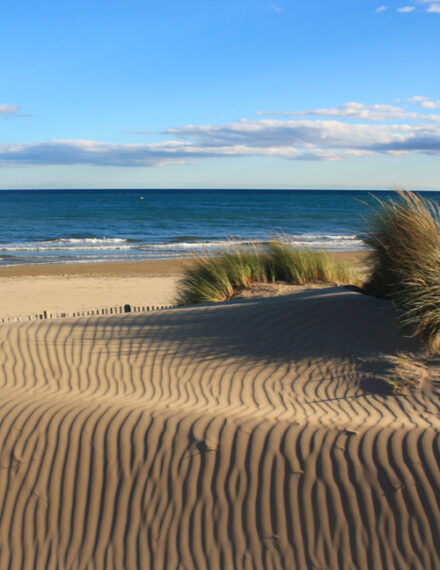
{"points": [[31, 289], [27, 290], [250, 434], [33, 295]]}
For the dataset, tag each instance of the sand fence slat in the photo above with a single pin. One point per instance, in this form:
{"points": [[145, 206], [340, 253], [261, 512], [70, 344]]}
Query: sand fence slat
{"points": [[113, 310]]}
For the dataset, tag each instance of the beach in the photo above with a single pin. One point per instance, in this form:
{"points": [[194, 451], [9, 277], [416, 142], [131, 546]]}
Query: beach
{"points": [[220, 286], [27, 290], [257, 433]]}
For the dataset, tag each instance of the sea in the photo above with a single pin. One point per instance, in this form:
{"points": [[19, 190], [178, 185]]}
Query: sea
{"points": [[76, 226]]}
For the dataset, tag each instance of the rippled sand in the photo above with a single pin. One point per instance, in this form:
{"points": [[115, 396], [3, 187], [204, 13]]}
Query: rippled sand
{"points": [[252, 434]]}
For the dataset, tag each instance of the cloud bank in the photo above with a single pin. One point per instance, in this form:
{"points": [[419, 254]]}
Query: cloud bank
{"points": [[348, 130]]}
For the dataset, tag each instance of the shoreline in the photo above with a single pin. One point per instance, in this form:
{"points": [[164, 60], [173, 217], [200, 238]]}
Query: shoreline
{"points": [[149, 268], [153, 267]]}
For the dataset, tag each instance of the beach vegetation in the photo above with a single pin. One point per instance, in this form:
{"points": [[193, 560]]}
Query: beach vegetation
{"points": [[406, 372], [214, 279], [403, 238], [206, 281]]}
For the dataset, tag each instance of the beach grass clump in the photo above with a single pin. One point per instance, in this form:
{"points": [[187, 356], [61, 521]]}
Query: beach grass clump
{"points": [[245, 266], [301, 266], [404, 262], [207, 281], [214, 279]]}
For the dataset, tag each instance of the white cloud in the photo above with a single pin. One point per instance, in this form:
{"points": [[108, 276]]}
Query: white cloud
{"points": [[434, 5], [275, 8], [145, 132], [381, 9], [416, 99], [423, 102], [351, 110], [270, 135], [8, 110]]}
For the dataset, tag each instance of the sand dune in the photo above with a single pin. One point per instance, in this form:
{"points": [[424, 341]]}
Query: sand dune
{"points": [[252, 434]]}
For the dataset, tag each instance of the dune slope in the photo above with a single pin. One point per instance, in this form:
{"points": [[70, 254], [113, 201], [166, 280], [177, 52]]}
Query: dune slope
{"points": [[253, 434]]}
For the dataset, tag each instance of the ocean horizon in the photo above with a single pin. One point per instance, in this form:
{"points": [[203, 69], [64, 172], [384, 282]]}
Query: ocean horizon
{"points": [[77, 226]]}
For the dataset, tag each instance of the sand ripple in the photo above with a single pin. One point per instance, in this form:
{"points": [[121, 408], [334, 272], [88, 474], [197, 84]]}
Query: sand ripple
{"points": [[253, 434]]}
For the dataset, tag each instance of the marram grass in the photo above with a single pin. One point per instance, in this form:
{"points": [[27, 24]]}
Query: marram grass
{"points": [[206, 281], [404, 266], [216, 279], [404, 260]]}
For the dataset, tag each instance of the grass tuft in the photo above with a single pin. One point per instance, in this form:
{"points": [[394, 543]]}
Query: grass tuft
{"points": [[216, 279], [206, 282], [407, 372], [404, 262]]}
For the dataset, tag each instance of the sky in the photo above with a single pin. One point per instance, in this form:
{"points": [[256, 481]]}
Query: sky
{"points": [[210, 94]]}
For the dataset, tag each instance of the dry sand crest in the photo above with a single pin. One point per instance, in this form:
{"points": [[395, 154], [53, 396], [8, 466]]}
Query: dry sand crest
{"points": [[252, 434]]}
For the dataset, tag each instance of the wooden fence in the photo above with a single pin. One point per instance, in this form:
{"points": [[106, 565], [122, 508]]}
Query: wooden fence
{"points": [[118, 309]]}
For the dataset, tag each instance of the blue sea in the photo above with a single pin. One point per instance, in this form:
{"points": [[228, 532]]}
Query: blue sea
{"points": [[71, 226]]}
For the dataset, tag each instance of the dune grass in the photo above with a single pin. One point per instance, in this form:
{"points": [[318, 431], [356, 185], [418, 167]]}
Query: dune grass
{"points": [[406, 372], [403, 239], [404, 262], [216, 279]]}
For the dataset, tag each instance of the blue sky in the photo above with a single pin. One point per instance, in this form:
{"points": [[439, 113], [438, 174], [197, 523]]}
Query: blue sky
{"points": [[231, 94]]}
